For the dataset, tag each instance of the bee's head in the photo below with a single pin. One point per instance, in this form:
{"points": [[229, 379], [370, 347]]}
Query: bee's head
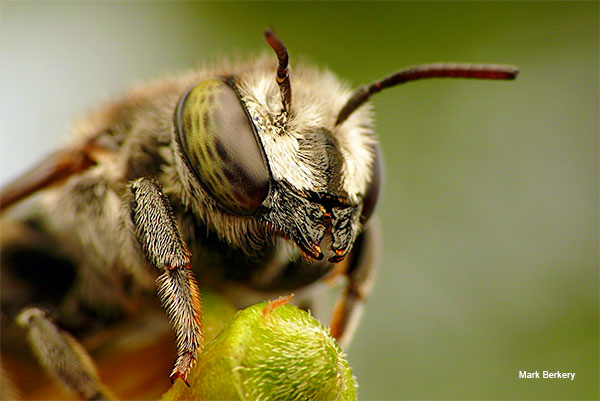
{"points": [[304, 167], [279, 168]]}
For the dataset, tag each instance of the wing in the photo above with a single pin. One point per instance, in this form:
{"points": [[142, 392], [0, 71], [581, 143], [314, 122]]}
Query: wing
{"points": [[53, 170]]}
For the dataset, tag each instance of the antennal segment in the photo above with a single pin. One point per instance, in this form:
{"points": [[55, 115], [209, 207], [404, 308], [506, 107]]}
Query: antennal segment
{"points": [[283, 78], [438, 70]]}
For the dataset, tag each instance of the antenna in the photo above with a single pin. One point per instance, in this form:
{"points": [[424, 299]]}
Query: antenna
{"points": [[438, 70], [283, 78]]}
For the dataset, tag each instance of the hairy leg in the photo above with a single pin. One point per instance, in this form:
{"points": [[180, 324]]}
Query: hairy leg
{"points": [[160, 238], [62, 355]]}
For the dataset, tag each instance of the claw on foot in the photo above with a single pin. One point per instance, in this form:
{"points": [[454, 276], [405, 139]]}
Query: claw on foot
{"points": [[184, 364], [178, 375]]}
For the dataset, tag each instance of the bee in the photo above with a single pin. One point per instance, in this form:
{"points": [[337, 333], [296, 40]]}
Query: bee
{"points": [[244, 178]]}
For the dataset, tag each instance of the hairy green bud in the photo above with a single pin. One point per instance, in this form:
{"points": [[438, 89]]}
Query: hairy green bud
{"points": [[270, 351]]}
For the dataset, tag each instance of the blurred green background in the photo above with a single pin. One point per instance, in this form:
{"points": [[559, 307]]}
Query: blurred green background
{"points": [[490, 206]]}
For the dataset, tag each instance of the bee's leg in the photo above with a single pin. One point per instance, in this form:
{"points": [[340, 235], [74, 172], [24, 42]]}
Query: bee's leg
{"points": [[360, 273], [62, 355], [160, 238]]}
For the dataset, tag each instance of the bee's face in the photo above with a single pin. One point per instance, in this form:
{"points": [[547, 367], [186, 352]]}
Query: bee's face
{"points": [[296, 173]]}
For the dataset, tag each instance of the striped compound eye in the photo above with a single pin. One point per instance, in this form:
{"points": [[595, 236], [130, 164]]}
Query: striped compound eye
{"points": [[221, 146]]}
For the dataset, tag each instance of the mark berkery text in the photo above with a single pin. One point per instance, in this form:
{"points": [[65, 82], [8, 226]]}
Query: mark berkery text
{"points": [[523, 374]]}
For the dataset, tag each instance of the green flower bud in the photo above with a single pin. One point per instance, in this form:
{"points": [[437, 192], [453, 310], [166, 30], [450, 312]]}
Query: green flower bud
{"points": [[270, 351]]}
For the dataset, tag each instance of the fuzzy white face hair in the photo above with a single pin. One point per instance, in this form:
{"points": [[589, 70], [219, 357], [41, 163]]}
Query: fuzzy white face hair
{"points": [[318, 97]]}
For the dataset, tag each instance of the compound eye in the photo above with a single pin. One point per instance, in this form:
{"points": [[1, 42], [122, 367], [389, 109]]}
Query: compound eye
{"points": [[372, 194], [220, 145]]}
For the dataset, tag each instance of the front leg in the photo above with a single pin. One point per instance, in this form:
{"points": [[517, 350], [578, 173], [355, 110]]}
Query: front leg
{"points": [[360, 274], [160, 238]]}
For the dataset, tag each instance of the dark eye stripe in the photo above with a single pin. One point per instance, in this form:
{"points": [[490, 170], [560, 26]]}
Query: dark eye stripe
{"points": [[221, 146], [222, 152]]}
